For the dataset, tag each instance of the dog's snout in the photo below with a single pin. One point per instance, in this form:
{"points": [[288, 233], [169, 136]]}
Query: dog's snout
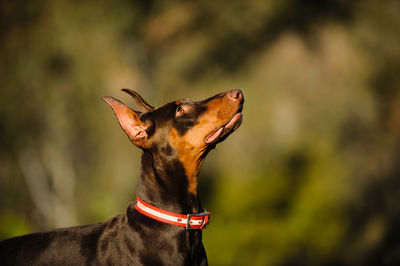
{"points": [[235, 94]]}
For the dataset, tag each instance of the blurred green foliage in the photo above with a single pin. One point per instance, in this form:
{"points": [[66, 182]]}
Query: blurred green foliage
{"points": [[311, 178]]}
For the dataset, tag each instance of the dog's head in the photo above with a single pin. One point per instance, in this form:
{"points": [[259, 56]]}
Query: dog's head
{"points": [[183, 130], [183, 125]]}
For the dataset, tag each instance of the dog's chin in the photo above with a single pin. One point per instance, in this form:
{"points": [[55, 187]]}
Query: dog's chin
{"points": [[224, 131]]}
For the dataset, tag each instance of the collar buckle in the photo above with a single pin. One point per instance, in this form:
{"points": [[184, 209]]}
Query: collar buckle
{"points": [[205, 221]]}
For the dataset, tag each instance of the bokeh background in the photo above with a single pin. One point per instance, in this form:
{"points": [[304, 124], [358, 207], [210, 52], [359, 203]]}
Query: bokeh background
{"points": [[312, 177]]}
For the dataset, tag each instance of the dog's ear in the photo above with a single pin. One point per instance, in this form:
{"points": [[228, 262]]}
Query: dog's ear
{"points": [[130, 122], [142, 104]]}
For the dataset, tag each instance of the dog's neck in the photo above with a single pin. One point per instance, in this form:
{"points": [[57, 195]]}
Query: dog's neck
{"points": [[163, 183]]}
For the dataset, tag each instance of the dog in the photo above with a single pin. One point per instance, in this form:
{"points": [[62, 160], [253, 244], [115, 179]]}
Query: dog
{"points": [[164, 225]]}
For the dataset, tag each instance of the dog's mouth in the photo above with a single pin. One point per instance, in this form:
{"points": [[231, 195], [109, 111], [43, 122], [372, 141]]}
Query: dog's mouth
{"points": [[225, 130]]}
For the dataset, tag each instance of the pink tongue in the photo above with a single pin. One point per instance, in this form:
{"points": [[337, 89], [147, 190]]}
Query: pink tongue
{"points": [[233, 120], [214, 135]]}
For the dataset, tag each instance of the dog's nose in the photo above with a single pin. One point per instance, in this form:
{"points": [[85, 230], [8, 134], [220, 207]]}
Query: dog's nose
{"points": [[236, 94]]}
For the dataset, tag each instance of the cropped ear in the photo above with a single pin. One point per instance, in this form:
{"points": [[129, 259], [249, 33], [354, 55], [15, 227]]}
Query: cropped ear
{"points": [[142, 104], [130, 122]]}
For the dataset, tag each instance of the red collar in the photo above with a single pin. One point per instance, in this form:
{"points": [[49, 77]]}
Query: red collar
{"points": [[190, 221]]}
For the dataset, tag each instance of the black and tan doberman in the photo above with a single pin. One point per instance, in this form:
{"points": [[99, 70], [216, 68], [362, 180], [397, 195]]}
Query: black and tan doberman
{"points": [[164, 226]]}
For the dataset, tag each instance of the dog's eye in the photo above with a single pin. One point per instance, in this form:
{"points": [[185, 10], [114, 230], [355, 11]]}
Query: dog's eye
{"points": [[180, 111]]}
